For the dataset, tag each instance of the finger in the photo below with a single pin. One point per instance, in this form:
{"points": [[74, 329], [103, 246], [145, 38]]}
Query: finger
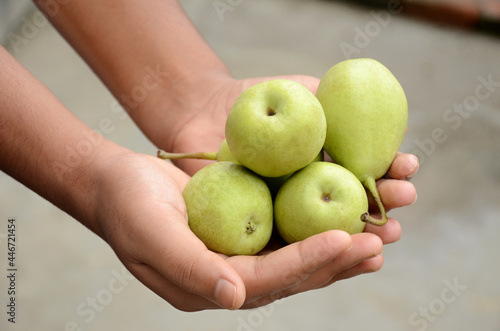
{"points": [[167, 290], [364, 246], [404, 166], [394, 194], [364, 267], [327, 157], [389, 233], [286, 267], [172, 249]]}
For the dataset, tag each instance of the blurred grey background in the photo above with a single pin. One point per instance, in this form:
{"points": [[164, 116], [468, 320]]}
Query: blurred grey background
{"points": [[443, 273]]}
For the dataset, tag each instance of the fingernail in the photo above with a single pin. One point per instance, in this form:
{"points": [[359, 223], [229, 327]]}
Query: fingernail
{"points": [[225, 293], [416, 196], [413, 166]]}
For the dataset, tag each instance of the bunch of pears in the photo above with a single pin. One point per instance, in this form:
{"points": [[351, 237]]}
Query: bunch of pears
{"points": [[270, 172]]}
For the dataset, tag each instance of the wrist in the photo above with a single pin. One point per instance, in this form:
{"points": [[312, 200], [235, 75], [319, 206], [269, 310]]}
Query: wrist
{"points": [[80, 198], [164, 114]]}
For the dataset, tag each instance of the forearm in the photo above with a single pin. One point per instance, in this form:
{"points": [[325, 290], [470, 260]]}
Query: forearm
{"points": [[44, 146], [147, 53]]}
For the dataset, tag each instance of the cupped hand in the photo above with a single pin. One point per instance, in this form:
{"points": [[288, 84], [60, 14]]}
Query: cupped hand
{"points": [[142, 215]]}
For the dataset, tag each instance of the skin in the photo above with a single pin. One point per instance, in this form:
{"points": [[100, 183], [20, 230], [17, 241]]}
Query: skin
{"points": [[143, 217]]}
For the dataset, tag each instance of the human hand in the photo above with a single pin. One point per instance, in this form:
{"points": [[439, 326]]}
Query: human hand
{"points": [[142, 215]]}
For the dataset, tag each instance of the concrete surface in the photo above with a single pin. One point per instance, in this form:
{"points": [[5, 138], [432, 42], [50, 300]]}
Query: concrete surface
{"points": [[443, 273]]}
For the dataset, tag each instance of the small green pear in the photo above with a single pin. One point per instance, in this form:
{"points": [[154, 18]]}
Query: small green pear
{"points": [[367, 115], [276, 127], [229, 209], [224, 154], [323, 196]]}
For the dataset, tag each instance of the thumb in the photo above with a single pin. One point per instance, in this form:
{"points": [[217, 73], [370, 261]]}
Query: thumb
{"points": [[178, 267]]}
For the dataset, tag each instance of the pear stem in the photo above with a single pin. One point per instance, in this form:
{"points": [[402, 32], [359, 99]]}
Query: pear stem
{"points": [[366, 217], [174, 156]]}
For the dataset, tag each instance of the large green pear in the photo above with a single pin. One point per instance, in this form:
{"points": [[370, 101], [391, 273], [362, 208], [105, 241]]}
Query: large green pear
{"points": [[223, 154], [276, 127], [323, 196], [229, 209], [367, 115]]}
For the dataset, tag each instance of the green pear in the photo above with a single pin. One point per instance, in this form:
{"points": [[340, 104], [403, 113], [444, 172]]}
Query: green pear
{"points": [[276, 127], [367, 116], [224, 154], [229, 209], [323, 196]]}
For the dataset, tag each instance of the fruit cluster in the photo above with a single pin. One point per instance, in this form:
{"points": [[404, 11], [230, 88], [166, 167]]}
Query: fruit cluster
{"points": [[270, 171]]}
